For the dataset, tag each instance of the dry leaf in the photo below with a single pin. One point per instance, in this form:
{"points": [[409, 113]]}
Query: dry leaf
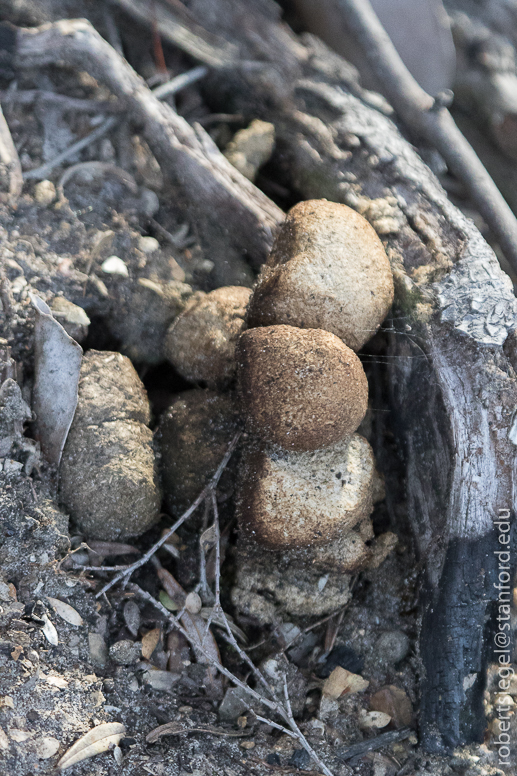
{"points": [[109, 549], [208, 539], [49, 631], [202, 641], [172, 587], [57, 360], [56, 681], [341, 682], [97, 740], [167, 601], [132, 617], [65, 611], [218, 619], [150, 642]]}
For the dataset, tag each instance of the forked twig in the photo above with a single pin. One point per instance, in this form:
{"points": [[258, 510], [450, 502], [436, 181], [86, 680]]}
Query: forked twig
{"points": [[125, 575], [282, 709]]}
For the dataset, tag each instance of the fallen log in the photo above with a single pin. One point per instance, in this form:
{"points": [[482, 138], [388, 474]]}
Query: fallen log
{"points": [[451, 363]]}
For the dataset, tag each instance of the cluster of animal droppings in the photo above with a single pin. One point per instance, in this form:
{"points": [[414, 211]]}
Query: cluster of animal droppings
{"points": [[108, 478], [308, 481]]}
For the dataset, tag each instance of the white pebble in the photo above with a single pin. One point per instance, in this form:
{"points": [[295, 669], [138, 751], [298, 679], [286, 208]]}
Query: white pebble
{"points": [[148, 244], [115, 266], [374, 719], [193, 603], [46, 747], [44, 192]]}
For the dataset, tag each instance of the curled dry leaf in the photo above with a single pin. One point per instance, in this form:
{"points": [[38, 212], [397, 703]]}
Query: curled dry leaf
{"points": [[219, 620], [65, 611], [208, 539], [97, 740], [342, 682], [57, 360], [49, 631]]}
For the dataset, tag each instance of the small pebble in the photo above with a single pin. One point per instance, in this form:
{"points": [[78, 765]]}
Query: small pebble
{"points": [[193, 603], [125, 652], [372, 720], [44, 192], [300, 758], [148, 244], [234, 704], [149, 203], [392, 646], [98, 650], [72, 318], [46, 747], [115, 266], [160, 680]]}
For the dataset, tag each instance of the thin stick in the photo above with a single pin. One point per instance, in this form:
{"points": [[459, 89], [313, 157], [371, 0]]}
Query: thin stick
{"points": [[206, 593], [430, 118], [79, 567], [217, 608], [42, 172], [282, 709], [28, 96], [180, 82], [125, 575]]}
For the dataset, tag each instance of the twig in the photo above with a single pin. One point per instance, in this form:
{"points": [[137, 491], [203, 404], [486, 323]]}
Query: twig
{"points": [[112, 31], [282, 709], [217, 608], [214, 118], [101, 168], [80, 567], [179, 239], [183, 32], [28, 96], [125, 575], [180, 82], [371, 745], [430, 118], [42, 172]]}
